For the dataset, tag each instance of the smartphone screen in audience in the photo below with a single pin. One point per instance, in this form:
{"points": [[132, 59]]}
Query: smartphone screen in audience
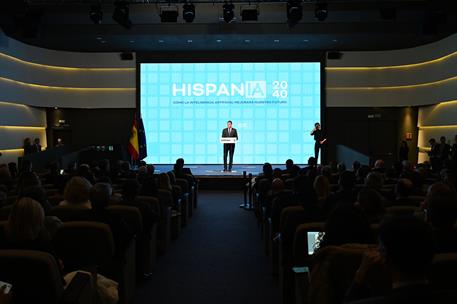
{"points": [[314, 237]]}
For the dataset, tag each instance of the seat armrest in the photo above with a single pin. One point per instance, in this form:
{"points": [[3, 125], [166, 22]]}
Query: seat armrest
{"points": [[301, 281]]}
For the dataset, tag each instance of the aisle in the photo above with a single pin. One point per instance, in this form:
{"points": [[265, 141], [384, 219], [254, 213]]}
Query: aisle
{"points": [[217, 259]]}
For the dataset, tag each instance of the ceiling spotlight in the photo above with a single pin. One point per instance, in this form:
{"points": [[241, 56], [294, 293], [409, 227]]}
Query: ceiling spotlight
{"points": [[321, 11], [249, 13], [294, 12], [227, 12], [96, 14], [188, 12], [121, 14], [169, 13]]}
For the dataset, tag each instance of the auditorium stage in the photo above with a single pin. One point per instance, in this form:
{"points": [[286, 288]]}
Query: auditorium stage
{"points": [[215, 171], [212, 177]]}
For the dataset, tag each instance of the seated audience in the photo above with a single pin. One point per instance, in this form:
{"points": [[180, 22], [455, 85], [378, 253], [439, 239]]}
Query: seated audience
{"points": [[403, 190], [406, 250], [409, 173], [442, 216], [100, 195], [25, 228], [346, 194], [289, 165], [148, 182], [77, 193], [371, 204], [130, 192], [85, 171], [346, 225]]}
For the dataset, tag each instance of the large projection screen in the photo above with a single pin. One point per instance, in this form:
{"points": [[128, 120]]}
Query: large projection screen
{"points": [[273, 106]]}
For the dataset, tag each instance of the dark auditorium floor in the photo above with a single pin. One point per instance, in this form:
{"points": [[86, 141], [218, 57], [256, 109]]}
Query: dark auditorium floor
{"points": [[217, 259]]}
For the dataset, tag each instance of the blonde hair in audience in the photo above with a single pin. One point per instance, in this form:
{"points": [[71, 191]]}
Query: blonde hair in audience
{"points": [[321, 186], [77, 191], [164, 181], [26, 220]]}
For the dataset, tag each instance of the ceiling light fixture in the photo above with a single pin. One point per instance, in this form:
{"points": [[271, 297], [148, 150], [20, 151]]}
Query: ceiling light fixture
{"points": [[188, 12], [249, 13], [169, 13], [121, 14], [228, 13], [321, 11], [294, 12], [96, 14]]}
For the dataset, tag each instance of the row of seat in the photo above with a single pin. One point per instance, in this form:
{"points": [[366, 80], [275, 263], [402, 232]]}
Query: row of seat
{"points": [[89, 245]]}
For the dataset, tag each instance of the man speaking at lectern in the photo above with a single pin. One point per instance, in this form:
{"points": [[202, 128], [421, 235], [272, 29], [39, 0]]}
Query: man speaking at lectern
{"points": [[230, 148]]}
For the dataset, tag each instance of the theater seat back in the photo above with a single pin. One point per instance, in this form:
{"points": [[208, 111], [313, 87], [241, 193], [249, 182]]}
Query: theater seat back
{"points": [[34, 275], [84, 244]]}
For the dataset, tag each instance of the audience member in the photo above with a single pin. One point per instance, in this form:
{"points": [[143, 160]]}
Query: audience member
{"points": [[289, 165], [77, 193], [403, 151], [434, 155], [130, 192], [442, 216], [379, 166], [36, 145], [371, 203], [12, 167], [27, 146], [403, 190], [25, 228], [100, 195], [406, 250], [346, 225]]}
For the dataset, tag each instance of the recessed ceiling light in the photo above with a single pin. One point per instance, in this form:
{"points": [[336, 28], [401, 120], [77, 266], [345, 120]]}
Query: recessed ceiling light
{"points": [[335, 40], [99, 38], [276, 40], [102, 41], [218, 40], [161, 41], [189, 41], [247, 40], [305, 40], [132, 41]]}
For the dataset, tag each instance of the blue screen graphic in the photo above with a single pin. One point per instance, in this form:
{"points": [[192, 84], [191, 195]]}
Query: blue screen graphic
{"points": [[273, 106]]}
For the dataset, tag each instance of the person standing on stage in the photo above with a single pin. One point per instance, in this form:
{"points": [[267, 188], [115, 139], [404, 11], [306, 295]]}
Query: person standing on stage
{"points": [[319, 138], [229, 148]]}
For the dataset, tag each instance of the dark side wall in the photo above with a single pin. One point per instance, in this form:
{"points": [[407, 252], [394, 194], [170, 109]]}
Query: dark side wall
{"points": [[86, 127], [369, 133]]}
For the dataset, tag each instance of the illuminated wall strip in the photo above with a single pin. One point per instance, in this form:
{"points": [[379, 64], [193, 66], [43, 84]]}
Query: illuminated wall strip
{"points": [[21, 61], [12, 150], [14, 104], [437, 127], [446, 103], [22, 128], [410, 86], [404, 66], [40, 86]]}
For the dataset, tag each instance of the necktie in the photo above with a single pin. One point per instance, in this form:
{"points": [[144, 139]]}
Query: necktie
{"points": [[230, 130]]}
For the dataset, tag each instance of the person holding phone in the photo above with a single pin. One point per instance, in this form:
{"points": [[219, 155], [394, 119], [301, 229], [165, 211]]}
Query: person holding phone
{"points": [[319, 139]]}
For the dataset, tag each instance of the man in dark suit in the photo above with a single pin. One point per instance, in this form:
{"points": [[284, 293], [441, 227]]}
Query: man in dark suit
{"points": [[229, 148], [36, 145]]}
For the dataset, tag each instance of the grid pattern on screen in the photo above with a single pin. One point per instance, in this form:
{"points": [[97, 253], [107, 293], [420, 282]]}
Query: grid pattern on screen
{"points": [[271, 129]]}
